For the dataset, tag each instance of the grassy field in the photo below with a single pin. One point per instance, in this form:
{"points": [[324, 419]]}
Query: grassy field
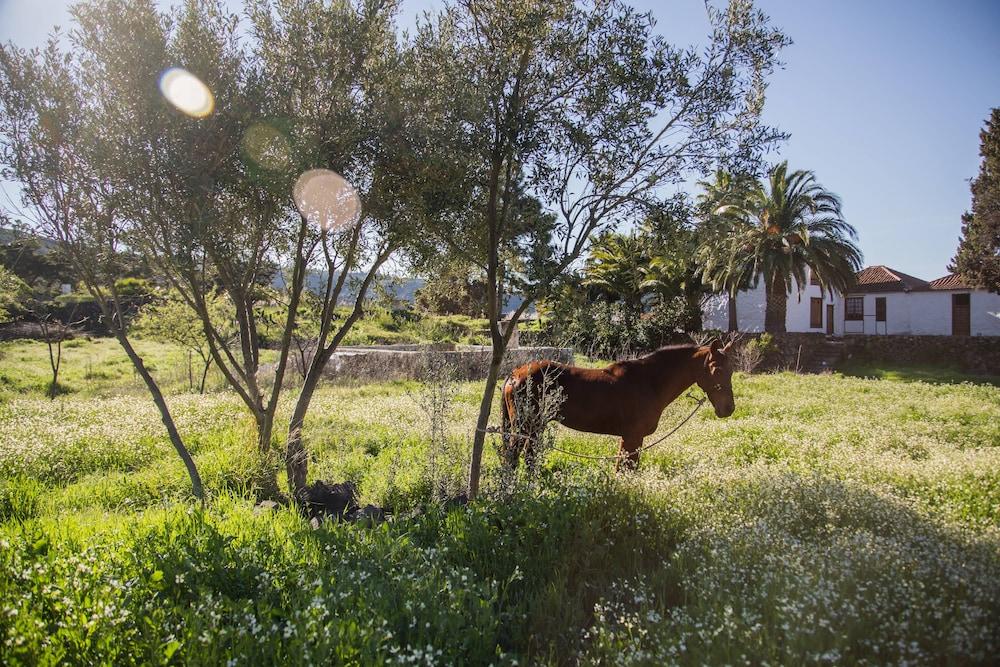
{"points": [[831, 519]]}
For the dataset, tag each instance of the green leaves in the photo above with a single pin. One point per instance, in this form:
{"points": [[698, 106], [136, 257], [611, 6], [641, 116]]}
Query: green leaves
{"points": [[978, 255], [778, 231], [170, 648], [12, 292]]}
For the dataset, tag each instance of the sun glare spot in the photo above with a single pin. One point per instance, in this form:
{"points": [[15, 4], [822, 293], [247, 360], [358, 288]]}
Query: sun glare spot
{"points": [[186, 92], [267, 146], [325, 198]]}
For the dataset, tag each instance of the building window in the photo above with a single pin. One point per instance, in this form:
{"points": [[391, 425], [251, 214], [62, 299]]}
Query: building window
{"points": [[815, 313], [813, 278], [854, 308], [880, 309]]}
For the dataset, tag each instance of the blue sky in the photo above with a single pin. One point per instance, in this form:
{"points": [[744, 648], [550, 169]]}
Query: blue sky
{"points": [[883, 100]]}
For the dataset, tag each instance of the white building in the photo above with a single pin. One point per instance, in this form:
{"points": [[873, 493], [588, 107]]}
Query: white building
{"points": [[883, 301]]}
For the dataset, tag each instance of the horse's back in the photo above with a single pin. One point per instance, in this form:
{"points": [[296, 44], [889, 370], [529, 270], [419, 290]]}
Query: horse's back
{"points": [[591, 400]]}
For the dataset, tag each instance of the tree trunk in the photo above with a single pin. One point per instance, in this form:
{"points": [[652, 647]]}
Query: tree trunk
{"points": [[296, 460], [54, 359], [485, 409], [168, 422], [733, 322], [494, 306], [777, 299], [204, 374], [53, 387], [265, 428]]}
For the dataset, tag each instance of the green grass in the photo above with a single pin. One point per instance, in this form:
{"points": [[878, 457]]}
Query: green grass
{"points": [[831, 519], [99, 367], [382, 327]]}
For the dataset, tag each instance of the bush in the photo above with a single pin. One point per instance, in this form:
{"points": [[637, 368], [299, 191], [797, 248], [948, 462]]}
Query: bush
{"points": [[762, 349], [611, 330], [134, 287], [668, 321]]}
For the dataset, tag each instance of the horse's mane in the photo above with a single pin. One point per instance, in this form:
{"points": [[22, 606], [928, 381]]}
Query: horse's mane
{"points": [[667, 352], [670, 350]]}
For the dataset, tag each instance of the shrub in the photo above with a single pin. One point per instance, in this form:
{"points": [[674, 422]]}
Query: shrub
{"points": [[134, 287]]}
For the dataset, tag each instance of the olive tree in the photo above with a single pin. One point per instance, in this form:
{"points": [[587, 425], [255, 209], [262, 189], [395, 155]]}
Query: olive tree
{"points": [[291, 171], [580, 109], [48, 145]]}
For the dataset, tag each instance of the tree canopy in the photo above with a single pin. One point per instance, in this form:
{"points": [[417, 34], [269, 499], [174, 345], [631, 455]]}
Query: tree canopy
{"points": [[978, 256], [12, 291]]}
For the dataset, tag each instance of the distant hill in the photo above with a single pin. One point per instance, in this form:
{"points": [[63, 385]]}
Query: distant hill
{"points": [[403, 289], [8, 236]]}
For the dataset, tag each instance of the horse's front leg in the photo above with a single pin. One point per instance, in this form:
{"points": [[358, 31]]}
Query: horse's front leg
{"points": [[628, 454]]}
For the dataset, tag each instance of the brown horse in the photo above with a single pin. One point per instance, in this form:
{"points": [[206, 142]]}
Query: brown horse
{"points": [[624, 399]]}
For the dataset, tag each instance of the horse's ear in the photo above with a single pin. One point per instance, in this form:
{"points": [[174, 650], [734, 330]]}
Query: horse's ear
{"points": [[716, 346]]}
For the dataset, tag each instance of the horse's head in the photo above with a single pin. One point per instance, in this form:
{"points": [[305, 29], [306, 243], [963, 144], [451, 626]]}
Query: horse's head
{"points": [[715, 377]]}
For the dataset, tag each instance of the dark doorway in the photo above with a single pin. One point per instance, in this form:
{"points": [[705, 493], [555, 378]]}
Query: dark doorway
{"points": [[880, 309], [880, 325], [816, 313], [960, 315], [829, 319]]}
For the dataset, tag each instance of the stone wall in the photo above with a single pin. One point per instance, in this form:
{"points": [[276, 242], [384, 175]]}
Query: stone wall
{"points": [[973, 354], [468, 362], [795, 350]]}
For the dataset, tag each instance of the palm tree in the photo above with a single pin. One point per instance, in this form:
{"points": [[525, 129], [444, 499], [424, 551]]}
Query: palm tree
{"points": [[784, 227], [618, 267], [720, 269]]}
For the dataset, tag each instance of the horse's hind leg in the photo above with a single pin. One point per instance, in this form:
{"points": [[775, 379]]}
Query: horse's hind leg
{"points": [[628, 454]]}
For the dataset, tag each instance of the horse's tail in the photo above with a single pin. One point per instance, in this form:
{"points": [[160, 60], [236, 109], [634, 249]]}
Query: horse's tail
{"points": [[504, 414]]}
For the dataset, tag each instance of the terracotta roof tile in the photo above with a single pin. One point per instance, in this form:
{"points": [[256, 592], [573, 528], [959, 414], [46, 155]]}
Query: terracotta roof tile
{"points": [[950, 281], [883, 279]]}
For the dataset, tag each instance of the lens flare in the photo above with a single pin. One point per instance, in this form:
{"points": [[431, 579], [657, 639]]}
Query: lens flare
{"points": [[267, 146], [325, 198], [186, 92]]}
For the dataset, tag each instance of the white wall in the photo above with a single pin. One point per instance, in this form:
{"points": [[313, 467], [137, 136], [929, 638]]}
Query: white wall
{"points": [[927, 313], [985, 313], [931, 313], [751, 304], [797, 318], [897, 315], [713, 312], [898, 312], [749, 311], [915, 313], [934, 310]]}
